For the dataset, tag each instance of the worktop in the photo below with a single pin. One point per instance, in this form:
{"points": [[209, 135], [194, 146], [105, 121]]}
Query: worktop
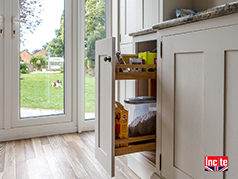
{"points": [[217, 11]]}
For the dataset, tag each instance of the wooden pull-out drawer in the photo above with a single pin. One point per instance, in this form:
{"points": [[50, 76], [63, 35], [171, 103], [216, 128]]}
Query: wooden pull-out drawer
{"points": [[135, 75], [149, 143]]}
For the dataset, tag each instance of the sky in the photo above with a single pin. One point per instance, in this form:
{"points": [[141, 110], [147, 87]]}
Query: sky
{"points": [[46, 31]]}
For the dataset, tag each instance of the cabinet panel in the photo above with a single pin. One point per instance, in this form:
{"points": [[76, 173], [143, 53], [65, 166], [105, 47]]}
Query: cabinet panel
{"points": [[192, 102], [104, 104], [130, 88], [124, 36], [151, 13], [231, 112], [188, 107], [1, 64], [131, 18], [126, 48], [133, 15]]}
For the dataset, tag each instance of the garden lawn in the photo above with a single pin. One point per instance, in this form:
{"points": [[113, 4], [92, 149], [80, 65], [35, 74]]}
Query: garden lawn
{"points": [[37, 93], [89, 94]]}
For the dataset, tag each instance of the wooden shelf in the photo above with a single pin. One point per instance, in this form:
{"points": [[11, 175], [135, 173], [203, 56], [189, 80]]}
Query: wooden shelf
{"points": [[147, 144], [135, 75], [132, 148]]}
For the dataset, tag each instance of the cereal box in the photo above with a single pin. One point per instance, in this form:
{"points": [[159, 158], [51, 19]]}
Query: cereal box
{"points": [[121, 123]]}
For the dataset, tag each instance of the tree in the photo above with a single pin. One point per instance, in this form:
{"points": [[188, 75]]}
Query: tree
{"points": [[38, 61], [95, 17], [95, 26], [45, 46], [23, 68], [30, 11], [90, 51], [55, 48]]}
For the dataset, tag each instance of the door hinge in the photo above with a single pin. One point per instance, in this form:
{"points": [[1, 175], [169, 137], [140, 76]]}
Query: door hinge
{"points": [[160, 162], [161, 49]]}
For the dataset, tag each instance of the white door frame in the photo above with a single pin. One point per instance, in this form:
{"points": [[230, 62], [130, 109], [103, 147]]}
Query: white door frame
{"points": [[90, 124], [8, 93], [15, 85]]}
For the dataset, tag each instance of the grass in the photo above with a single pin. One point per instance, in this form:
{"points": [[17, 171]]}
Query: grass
{"points": [[89, 94], [37, 93]]}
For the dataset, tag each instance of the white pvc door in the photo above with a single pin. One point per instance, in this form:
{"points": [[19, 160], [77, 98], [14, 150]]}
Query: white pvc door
{"points": [[105, 104], [42, 30]]}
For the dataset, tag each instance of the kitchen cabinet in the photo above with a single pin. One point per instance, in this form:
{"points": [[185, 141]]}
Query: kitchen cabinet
{"points": [[151, 13], [136, 15], [106, 74], [130, 18], [198, 66], [196, 99], [145, 164]]}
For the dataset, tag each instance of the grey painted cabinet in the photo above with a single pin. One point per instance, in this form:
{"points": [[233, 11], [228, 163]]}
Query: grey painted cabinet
{"points": [[136, 15], [199, 97]]}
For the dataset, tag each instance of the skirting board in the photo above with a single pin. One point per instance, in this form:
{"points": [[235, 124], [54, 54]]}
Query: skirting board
{"points": [[37, 131], [141, 166]]}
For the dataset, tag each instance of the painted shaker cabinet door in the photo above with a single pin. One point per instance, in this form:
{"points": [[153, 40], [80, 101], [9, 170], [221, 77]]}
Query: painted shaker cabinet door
{"points": [[105, 102], [197, 93], [131, 18]]}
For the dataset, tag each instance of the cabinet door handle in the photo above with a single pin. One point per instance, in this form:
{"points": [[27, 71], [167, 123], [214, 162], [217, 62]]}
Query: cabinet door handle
{"points": [[107, 59]]}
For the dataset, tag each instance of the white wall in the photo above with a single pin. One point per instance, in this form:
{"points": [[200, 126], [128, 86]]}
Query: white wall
{"points": [[201, 5]]}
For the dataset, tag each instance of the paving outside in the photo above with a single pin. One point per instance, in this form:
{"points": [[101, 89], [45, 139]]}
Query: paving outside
{"points": [[29, 112], [44, 71]]}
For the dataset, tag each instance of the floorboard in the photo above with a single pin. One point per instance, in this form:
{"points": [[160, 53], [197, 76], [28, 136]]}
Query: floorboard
{"points": [[57, 157], [2, 155]]}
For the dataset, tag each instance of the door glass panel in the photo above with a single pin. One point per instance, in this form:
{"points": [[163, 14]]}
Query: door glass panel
{"points": [[42, 59], [95, 18]]}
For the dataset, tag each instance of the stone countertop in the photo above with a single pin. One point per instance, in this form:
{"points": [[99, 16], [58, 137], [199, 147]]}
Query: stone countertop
{"points": [[143, 32], [217, 11]]}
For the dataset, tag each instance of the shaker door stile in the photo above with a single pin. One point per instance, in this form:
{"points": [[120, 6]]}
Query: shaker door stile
{"points": [[104, 103], [1, 62]]}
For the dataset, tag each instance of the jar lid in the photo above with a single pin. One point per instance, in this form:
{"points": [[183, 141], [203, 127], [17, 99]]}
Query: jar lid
{"points": [[140, 100]]}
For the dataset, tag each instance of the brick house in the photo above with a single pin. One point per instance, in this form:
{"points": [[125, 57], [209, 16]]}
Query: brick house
{"points": [[42, 52], [25, 56]]}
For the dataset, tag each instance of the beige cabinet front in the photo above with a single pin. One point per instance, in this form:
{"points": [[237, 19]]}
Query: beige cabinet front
{"points": [[199, 102], [136, 15], [104, 104]]}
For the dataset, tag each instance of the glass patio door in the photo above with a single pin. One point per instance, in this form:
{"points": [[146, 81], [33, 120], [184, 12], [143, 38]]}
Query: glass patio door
{"points": [[40, 61], [96, 26]]}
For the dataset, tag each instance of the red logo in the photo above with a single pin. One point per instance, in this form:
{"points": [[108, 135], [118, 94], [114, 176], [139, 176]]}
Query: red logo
{"points": [[124, 116], [216, 163]]}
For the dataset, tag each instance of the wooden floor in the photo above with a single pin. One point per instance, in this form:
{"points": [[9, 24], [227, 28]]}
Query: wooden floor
{"points": [[60, 156]]}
